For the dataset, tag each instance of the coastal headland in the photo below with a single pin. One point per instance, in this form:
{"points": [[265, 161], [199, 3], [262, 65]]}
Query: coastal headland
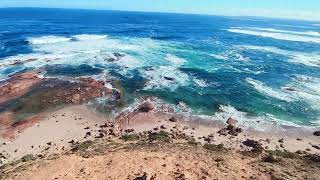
{"points": [[50, 129]]}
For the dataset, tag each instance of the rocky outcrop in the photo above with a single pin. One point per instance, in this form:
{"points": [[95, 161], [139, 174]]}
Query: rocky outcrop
{"points": [[75, 93], [6, 120], [232, 121], [316, 133], [18, 85], [115, 57], [25, 95], [231, 129]]}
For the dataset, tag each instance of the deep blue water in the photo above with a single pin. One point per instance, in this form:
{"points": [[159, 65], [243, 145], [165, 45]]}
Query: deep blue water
{"points": [[250, 68]]}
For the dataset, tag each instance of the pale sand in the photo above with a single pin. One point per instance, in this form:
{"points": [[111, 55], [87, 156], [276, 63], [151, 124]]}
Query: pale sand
{"points": [[199, 129], [58, 127], [72, 120]]}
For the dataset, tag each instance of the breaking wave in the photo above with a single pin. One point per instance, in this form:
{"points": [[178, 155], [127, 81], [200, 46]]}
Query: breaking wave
{"points": [[262, 88], [265, 122], [277, 35], [89, 37], [165, 77], [175, 60], [308, 59], [305, 33], [47, 40]]}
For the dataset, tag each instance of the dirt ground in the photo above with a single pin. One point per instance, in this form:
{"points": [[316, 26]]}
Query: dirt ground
{"points": [[161, 160]]}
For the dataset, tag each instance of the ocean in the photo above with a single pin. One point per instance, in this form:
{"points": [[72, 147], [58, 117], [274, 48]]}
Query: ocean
{"points": [[252, 69]]}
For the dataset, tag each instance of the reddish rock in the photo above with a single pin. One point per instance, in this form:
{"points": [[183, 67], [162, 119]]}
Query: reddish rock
{"points": [[76, 93], [20, 126], [232, 121], [18, 85], [6, 120]]}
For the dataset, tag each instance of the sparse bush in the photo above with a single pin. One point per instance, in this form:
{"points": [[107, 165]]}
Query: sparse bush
{"points": [[82, 146], [161, 136], [213, 147], [130, 137], [28, 157], [284, 154]]}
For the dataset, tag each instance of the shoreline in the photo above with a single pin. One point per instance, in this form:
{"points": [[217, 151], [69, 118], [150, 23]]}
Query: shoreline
{"points": [[53, 117], [58, 129], [151, 144]]}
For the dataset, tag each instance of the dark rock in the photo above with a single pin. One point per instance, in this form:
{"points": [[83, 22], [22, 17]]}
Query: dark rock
{"points": [[163, 127], [149, 68], [101, 135], [270, 159], [223, 132], [71, 142], [103, 126], [230, 128], [146, 107], [129, 131], [281, 145], [111, 132], [300, 152], [281, 140], [233, 132], [173, 119], [111, 59], [119, 55], [289, 89], [314, 157], [316, 133], [255, 145], [238, 130], [88, 133], [169, 78], [207, 139], [316, 147], [143, 177]]}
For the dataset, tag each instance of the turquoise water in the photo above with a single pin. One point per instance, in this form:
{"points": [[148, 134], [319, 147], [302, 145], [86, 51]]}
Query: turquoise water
{"points": [[254, 69]]}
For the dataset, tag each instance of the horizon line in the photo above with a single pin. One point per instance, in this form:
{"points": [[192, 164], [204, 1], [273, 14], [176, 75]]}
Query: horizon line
{"points": [[165, 12]]}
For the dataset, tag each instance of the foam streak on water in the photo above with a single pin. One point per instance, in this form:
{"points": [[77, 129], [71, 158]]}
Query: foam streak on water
{"points": [[263, 70], [277, 35]]}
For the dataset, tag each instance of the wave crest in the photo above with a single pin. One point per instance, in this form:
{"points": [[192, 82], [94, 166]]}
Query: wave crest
{"points": [[47, 40]]}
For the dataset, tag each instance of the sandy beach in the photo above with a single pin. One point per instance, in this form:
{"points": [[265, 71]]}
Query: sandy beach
{"points": [[52, 139]]}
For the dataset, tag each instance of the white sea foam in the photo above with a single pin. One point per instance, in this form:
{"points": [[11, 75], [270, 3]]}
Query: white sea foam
{"points": [[230, 54], [304, 33], [219, 56], [89, 37], [2, 46], [47, 40], [201, 82], [30, 58], [275, 35], [157, 78], [262, 88], [266, 122], [309, 59], [306, 89], [176, 61]]}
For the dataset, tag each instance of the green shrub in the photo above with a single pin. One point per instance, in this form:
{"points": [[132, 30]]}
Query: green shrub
{"points": [[130, 137]]}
